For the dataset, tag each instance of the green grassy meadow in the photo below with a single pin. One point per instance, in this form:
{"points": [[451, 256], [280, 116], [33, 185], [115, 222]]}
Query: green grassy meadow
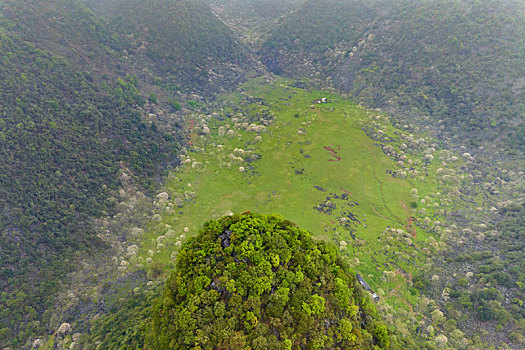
{"points": [[312, 164]]}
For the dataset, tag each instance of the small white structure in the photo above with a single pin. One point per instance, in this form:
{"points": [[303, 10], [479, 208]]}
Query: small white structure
{"points": [[321, 100]]}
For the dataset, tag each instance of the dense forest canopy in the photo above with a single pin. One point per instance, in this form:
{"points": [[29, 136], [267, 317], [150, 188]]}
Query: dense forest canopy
{"points": [[64, 142], [299, 46], [259, 282], [182, 43], [65, 28], [77, 91]]}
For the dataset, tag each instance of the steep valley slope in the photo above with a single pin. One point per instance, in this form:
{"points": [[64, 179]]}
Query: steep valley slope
{"points": [[81, 117]]}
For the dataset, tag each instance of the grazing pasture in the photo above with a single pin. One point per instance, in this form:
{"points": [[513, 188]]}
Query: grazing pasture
{"points": [[268, 151]]}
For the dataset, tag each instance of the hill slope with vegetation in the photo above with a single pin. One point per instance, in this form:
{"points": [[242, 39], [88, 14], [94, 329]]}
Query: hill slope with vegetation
{"points": [[460, 63], [253, 20], [177, 44], [63, 143], [67, 29], [307, 43], [100, 98], [259, 282], [90, 100]]}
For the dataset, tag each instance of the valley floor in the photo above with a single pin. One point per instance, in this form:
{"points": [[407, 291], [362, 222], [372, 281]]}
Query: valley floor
{"points": [[338, 170]]}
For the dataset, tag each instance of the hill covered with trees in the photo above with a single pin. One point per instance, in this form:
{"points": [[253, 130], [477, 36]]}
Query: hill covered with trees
{"points": [[251, 281], [177, 44], [78, 110], [67, 29], [455, 64], [63, 143], [303, 44]]}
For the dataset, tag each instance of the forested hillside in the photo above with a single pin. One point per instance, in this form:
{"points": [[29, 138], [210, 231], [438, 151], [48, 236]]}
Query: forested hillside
{"points": [[63, 140], [458, 62], [76, 109], [67, 29], [177, 44], [253, 20], [314, 39]]}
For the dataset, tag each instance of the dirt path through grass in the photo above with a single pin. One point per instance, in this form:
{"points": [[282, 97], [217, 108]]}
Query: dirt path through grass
{"points": [[398, 220]]}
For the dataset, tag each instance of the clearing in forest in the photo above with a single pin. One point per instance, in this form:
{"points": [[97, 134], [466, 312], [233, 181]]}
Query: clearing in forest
{"points": [[267, 150]]}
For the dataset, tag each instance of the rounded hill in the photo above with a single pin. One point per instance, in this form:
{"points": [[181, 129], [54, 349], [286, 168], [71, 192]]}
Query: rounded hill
{"points": [[252, 281]]}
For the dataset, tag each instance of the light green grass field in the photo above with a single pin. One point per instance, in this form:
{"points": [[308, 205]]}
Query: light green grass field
{"points": [[292, 169]]}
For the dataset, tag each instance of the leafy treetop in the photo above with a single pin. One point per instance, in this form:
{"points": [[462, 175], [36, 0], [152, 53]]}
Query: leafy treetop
{"points": [[252, 281]]}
